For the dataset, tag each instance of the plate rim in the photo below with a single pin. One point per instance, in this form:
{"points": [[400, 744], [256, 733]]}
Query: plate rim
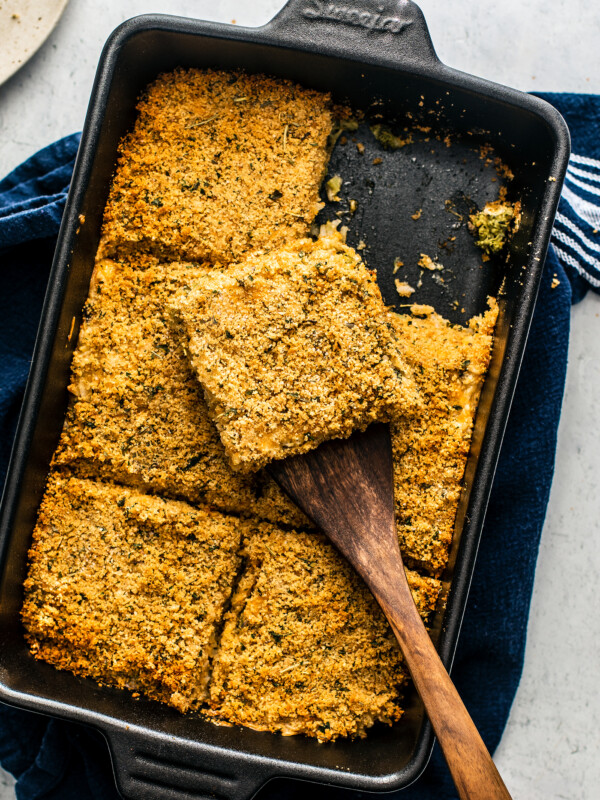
{"points": [[13, 67]]}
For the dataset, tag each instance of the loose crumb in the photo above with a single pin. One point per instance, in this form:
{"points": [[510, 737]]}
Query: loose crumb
{"points": [[420, 310], [387, 139], [426, 262], [403, 288], [332, 188]]}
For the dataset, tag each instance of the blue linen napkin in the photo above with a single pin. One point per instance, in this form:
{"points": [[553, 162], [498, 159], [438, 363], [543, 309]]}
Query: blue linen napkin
{"points": [[58, 760], [576, 234]]}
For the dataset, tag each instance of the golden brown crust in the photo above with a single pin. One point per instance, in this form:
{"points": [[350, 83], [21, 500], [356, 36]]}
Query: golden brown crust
{"points": [[218, 163], [292, 348], [129, 589], [107, 432], [305, 647], [431, 448], [137, 416]]}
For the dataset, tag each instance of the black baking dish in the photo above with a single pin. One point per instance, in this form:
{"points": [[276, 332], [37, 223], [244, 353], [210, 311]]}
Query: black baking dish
{"points": [[360, 53]]}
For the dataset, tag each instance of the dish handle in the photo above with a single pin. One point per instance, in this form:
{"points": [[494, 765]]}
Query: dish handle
{"points": [[389, 32], [148, 766]]}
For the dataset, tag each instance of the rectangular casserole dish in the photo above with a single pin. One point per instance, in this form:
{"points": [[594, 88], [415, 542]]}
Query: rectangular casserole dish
{"points": [[359, 55]]}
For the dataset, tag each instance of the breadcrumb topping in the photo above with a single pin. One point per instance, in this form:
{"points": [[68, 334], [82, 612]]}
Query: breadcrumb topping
{"points": [[129, 589], [138, 416], [220, 611], [292, 348], [305, 647], [217, 164], [431, 448]]}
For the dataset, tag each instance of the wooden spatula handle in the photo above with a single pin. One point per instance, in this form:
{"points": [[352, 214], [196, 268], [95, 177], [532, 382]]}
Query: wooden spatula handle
{"points": [[346, 487], [473, 771]]}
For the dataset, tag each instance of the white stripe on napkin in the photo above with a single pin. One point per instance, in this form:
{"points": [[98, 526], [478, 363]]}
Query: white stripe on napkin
{"points": [[589, 162], [585, 186], [569, 242], [583, 173], [577, 231], [583, 208], [572, 262]]}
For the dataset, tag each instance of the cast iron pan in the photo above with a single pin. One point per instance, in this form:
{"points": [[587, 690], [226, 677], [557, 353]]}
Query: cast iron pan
{"points": [[378, 58]]}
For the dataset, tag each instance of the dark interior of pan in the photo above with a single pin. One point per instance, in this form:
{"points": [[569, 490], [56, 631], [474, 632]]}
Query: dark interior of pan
{"points": [[384, 64]]}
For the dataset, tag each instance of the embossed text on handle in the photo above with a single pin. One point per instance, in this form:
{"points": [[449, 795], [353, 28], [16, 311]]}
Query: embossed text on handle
{"points": [[347, 14]]}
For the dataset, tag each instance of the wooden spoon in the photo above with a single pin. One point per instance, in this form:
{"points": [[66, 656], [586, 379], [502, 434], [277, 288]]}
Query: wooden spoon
{"points": [[346, 486]]}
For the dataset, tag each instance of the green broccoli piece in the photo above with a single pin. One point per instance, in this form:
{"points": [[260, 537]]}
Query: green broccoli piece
{"points": [[387, 139], [494, 224]]}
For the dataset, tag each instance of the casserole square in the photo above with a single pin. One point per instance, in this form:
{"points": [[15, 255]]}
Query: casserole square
{"points": [[293, 347], [266, 138], [136, 415], [128, 588], [305, 647]]}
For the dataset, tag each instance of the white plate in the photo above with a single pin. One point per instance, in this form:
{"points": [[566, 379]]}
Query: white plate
{"points": [[24, 27]]}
